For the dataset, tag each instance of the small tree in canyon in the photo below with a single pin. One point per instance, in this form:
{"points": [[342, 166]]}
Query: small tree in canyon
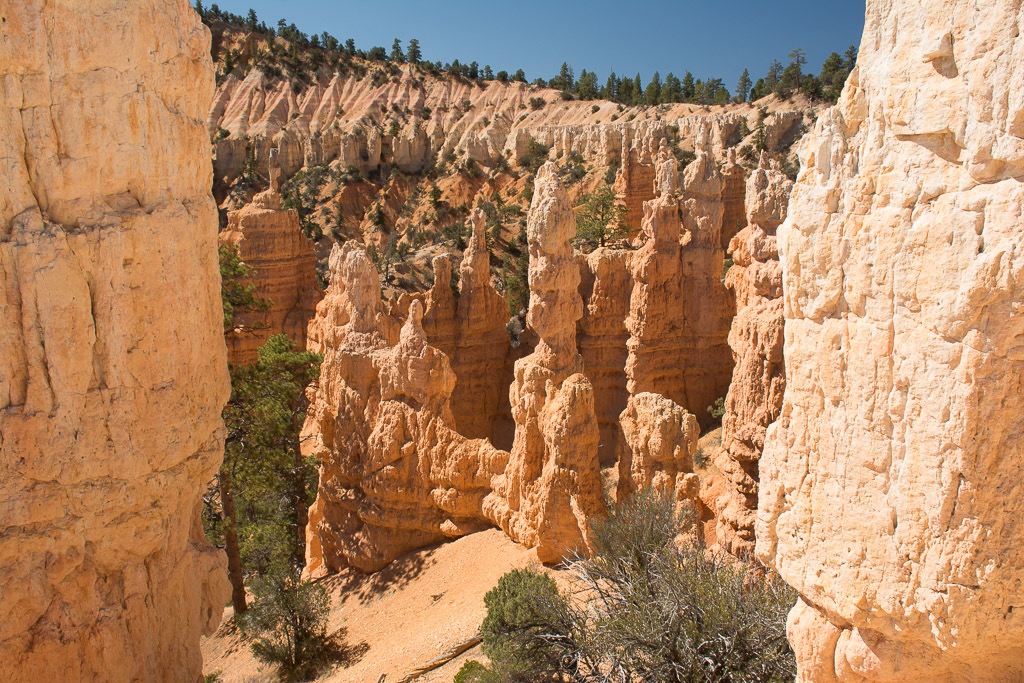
{"points": [[265, 485], [599, 219]]}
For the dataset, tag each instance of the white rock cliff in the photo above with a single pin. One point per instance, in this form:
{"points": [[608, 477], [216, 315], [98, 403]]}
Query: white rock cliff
{"points": [[891, 485]]}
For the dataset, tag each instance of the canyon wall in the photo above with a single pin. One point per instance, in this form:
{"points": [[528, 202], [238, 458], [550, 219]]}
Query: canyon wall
{"points": [[892, 485], [112, 360], [269, 240], [756, 337]]}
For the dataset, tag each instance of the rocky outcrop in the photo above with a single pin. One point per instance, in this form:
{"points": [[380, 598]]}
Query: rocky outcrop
{"points": [[679, 309], [659, 440], [395, 475], [601, 335], [112, 365], [759, 377], [270, 241], [707, 308], [734, 212], [552, 484], [655, 320], [468, 325], [482, 348], [892, 483]]}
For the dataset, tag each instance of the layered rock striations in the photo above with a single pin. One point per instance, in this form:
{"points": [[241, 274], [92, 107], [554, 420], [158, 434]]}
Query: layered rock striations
{"points": [[891, 485], [707, 306], [679, 310], [756, 339], [270, 241], [480, 402], [112, 363]]}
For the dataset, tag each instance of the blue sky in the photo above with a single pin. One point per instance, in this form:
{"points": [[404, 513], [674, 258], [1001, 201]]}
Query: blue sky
{"points": [[709, 38]]}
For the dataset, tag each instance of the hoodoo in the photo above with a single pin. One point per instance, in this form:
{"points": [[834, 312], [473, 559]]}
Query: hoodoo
{"points": [[113, 369], [892, 485]]}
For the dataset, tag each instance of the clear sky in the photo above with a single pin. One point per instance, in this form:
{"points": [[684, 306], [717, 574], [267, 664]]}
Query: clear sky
{"points": [[707, 37]]}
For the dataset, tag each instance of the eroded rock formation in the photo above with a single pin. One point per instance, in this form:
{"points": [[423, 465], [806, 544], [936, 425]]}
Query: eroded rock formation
{"points": [[660, 439], [270, 241], [707, 307], [552, 484], [605, 284], [395, 475], [759, 377], [396, 472], [679, 310], [112, 363], [892, 485]]}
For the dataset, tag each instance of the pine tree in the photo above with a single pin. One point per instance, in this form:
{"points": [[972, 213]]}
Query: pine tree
{"points": [[743, 87], [488, 73], [350, 47], [774, 75], [519, 76], [671, 90], [600, 218], [689, 87], [200, 9], [413, 53], [397, 53], [586, 86], [652, 95], [263, 483], [638, 90], [851, 57], [565, 79], [610, 91]]}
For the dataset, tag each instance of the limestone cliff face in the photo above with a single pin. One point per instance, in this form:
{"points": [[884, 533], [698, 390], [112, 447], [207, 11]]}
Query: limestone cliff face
{"points": [[270, 241], [759, 377], [679, 310], [480, 402], [891, 485], [707, 306], [112, 362]]}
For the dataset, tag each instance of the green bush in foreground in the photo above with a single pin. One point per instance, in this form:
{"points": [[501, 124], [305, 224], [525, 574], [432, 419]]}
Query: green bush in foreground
{"points": [[642, 608]]}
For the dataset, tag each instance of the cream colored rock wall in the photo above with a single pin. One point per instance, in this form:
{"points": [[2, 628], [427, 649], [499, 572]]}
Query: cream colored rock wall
{"points": [[892, 485], [601, 335], [112, 361], [756, 338]]}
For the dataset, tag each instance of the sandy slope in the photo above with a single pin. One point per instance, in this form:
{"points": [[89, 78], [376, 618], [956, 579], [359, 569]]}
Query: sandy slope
{"points": [[411, 613]]}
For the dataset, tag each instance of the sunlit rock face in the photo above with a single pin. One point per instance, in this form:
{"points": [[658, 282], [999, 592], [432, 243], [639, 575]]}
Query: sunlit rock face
{"points": [[269, 240], [891, 485], [112, 361], [756, 338]]}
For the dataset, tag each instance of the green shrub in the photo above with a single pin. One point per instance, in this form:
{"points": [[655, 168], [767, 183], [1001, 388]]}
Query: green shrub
{"points": [[288, 624], [534, 156], [641, 608]]}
